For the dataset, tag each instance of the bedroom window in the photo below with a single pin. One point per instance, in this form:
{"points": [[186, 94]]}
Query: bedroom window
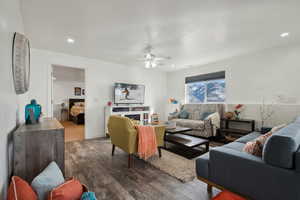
{"points": [[206, 88]]}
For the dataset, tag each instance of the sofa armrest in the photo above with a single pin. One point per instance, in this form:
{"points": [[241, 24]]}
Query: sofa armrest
{"points": [[248, 174]]}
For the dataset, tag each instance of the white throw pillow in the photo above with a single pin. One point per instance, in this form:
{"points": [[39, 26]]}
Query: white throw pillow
{"points": [[215, 119]]}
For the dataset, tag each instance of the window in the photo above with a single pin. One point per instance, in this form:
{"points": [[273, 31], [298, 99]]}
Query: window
{"points": [[207, 88]]}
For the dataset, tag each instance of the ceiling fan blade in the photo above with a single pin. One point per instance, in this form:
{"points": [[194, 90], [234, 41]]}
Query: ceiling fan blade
{"points": [[162, 57]]}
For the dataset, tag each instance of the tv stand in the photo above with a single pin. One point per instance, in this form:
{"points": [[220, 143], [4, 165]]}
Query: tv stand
{"points": [[137, 112]]}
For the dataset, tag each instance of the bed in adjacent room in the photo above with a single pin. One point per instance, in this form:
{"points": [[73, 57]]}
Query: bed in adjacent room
{"points": [[77, 110]]}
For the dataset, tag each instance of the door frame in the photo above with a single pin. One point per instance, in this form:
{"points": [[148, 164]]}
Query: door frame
{"points": [[50, 86]]}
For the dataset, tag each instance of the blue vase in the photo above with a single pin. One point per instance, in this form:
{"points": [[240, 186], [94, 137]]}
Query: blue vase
{"points": [[33, 112]]}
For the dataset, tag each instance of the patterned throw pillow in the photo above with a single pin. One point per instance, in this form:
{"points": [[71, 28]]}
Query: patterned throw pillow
{"points": [[253, 147], [263, 138], [256, 146]]}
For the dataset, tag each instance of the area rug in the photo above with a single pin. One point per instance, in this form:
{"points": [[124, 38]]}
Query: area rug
{"points": [[172, 164], [177, 166]]}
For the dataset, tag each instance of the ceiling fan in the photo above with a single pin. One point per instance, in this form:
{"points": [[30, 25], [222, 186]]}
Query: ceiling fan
{"points": [[151, 60]]}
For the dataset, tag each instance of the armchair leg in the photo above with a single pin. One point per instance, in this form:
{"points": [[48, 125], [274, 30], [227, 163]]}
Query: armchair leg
{"points": [[209, 188], [159, 151], [113, 150], [130, 160]]}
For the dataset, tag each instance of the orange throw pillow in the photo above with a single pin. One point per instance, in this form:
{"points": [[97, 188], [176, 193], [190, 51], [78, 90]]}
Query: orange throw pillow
{"points": [[20, 190], [70, 190], [225, 195]]}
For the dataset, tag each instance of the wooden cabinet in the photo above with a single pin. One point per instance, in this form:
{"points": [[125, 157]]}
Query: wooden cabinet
{"points": [[35, 146]]}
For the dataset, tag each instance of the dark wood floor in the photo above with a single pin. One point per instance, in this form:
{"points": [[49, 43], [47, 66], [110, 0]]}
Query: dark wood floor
{"points": [[91, 162]]}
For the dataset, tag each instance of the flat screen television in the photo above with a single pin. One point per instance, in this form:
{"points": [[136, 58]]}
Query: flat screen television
{"points": [[129, 93]]}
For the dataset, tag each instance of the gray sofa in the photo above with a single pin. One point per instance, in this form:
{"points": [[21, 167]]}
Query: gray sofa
{"points": [[274, 176], [201, 128]]}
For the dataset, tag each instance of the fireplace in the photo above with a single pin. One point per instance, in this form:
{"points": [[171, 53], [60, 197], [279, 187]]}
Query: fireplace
{"points": [[134, 116]]}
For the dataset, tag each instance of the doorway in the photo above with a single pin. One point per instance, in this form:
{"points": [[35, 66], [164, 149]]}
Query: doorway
{"points": [[68, 100]]}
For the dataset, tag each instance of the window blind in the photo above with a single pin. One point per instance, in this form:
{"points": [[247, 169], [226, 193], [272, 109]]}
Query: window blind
{"points": [[205, 77]]}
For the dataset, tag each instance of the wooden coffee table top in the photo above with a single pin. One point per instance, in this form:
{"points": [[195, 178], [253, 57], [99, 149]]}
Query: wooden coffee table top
{"points": [[186, 140], [178, 129]]}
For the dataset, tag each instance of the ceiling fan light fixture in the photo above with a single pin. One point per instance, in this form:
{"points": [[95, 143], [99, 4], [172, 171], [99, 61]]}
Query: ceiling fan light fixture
{"points": [[148, 56], [147, 64]]}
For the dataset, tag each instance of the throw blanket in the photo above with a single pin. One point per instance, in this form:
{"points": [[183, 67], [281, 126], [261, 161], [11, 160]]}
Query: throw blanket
{"points": [[215, 121], [147, 145]]}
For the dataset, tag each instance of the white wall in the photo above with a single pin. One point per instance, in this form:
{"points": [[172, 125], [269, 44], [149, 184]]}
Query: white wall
{"points": [[11, 105], [64, 90], [63, 73], [99, 80], [250, 78]]}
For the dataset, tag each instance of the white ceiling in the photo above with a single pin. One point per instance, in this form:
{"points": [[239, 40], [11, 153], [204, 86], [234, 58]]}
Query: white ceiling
{"points": [[192, 32]]}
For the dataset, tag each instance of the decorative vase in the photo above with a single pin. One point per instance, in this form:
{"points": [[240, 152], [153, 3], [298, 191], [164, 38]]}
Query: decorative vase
{"points": [[33, 112]]}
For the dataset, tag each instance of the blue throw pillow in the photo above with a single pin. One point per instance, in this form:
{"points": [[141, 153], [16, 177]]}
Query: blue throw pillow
{"points": [[204, 115], [183, 114], [88, 196], [47, 180]]}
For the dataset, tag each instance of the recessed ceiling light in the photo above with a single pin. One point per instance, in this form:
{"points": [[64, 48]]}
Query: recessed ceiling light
{"points": [[284, 34], [70, 40]]}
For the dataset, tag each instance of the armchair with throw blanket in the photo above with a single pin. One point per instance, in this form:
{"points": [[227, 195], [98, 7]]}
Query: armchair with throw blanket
{"points": [[124, 135]]}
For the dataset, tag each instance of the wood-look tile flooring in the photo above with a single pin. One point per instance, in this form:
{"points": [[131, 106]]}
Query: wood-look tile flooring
{"points": [[73, 132], [91, 162]]}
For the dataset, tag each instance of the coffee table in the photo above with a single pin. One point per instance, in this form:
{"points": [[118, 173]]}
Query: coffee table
{"points": [[176, 136], [178, 129]]}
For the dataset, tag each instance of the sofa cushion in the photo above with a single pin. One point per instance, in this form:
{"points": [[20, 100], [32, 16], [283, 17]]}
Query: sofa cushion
{"points": [[235, 146], [202, 166], [194, 124], [248, 137], [195, 110], [281, 147]]}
